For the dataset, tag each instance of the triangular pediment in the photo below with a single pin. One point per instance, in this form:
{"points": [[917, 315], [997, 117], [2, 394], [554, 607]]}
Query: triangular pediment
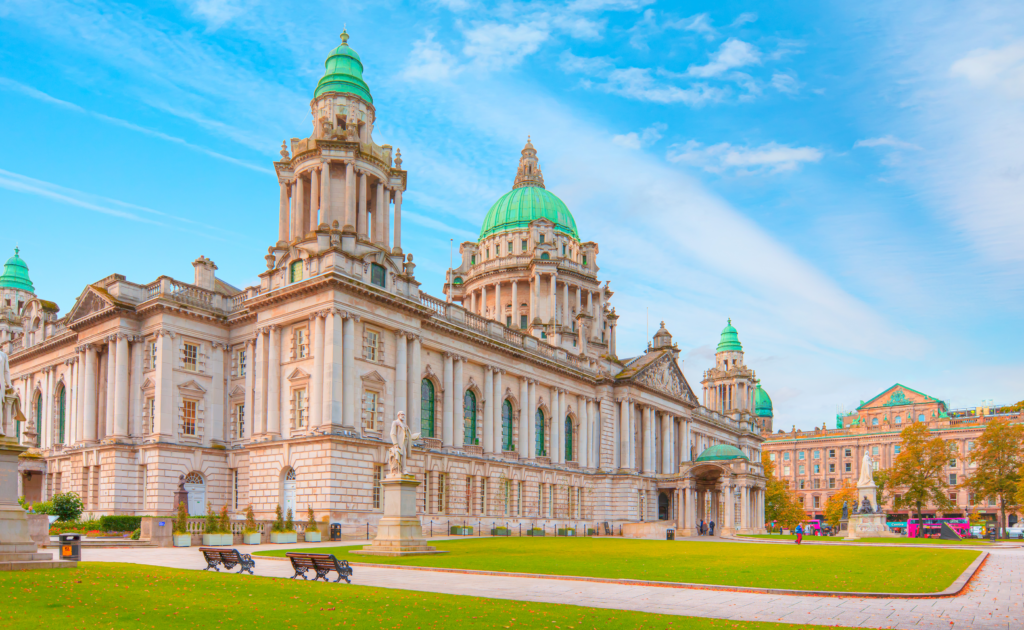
{"points": [[373, 377], [897, 396], [192, 386], [298, 374], [91, 301], [148, 383], [238, 390], [663, 374]]}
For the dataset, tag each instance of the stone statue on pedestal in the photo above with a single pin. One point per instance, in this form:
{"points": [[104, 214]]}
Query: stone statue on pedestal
{"points": [[401, 440], [867, 469], [846, 510]]}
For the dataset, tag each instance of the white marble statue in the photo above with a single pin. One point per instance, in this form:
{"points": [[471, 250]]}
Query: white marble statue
{"points": [[867, 469], [401, 438], [6, 406]]}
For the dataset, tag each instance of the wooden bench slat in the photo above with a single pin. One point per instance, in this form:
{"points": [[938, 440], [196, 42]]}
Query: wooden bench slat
{"points": [[215, 557], [321, 563]]}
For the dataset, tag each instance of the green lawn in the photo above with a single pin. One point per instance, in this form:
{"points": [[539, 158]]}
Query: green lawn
{"points": [[822, 567], [130, 596], [892, 541]]}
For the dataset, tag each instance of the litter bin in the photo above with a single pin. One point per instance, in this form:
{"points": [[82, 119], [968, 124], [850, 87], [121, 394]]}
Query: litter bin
{"points": [[335, 531], [70, 547], [670, 534]]}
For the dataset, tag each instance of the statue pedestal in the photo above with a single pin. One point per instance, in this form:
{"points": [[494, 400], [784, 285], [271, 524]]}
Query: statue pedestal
{"points": [[399, 532], [867, 524], [18, 551]]}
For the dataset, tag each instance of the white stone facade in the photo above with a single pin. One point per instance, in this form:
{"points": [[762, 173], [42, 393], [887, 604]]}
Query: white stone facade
{"points": [[279, 394]]}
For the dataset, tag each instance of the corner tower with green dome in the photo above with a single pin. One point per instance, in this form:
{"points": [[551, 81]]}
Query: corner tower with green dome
{"points": [[731, 388], [531, 271]]}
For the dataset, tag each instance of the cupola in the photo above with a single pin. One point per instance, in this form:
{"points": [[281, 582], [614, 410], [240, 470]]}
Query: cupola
{"points": [[15, 274], [730, 341], [344, 73]]}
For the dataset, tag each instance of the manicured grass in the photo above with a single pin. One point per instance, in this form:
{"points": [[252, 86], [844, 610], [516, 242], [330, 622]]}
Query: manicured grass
{"points": [[892, 541], [130, 596], [822, 567]]}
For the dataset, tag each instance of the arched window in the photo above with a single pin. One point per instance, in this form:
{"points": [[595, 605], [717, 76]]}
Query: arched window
{"points": [[539, 432], [874, 422], [378, 275], [295, 271], [427, 408], [898, 420], [568, 439], [506, 426], [544, 255], [39, 418], [61, 406], [469, 415], [920, 417]]}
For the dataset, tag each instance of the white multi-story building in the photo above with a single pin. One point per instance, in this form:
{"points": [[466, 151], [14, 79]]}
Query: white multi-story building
{"points": [[281, 393]]}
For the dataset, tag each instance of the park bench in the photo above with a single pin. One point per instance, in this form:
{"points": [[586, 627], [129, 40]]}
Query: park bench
{"points": [[322, 563], [228, 558]]}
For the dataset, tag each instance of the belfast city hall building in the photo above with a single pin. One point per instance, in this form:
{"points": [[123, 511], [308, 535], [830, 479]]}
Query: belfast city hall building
{"points": [[279, 394]]}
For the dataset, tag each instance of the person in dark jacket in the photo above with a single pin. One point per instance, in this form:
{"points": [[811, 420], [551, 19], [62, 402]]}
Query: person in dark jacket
{"points": [[700, 528], [711, 528]]}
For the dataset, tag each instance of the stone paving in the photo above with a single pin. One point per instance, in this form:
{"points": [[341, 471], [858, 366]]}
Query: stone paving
{"points": [[992, 600]]}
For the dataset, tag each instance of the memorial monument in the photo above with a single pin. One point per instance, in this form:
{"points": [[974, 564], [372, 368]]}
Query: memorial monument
{"points": [[399, 532], [867, 519], [17, 549]]}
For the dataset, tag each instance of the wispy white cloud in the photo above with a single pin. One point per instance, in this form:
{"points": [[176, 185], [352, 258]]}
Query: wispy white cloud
{"points": [[217, 13], [651, 25], [886, 141], [645, 138], [641, 84], [744, 18], [786, 82], [608, 5], [1002, 68], [429, 61], [494, 45], [733, 53], [722, 157]]}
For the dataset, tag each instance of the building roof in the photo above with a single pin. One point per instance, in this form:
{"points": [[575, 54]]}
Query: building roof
{"points": [[15, 274], [721, 452], [762, 403], [344, 73], [730, 341], [897, 398]]}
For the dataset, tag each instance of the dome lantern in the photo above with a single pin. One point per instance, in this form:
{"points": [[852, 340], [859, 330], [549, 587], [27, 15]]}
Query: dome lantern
{"points": [[343, 73], [15, 274], [730, 341]]}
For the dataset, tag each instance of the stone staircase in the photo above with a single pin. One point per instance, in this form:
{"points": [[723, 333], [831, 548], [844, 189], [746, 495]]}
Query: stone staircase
{"points": [[25, 557]]}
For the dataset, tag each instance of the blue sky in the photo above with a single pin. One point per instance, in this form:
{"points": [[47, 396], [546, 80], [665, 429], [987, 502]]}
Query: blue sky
{"points": [[844, 182]]}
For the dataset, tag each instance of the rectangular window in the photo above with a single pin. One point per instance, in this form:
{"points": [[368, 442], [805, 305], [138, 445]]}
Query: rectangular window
{"points": [[301, 343], [563, 250], [848, 452], [525, 246], [800, 483], [301, 408], [584, 260], [472, 259], [896, 449], [801, 470], [190, 360], [785, 470], [991, 501], [240, 359], [240, 420], [295, 271], [831, 482], [897, 497], [509, 248], [378, 275], [483, 495], [874, 451], [800, 456], [234, 487], [817, 454], [188, 417], [817, 468], [152, 355], [441, 493], [149, 408], [508, 321], [371, 345], [816, 484], [831, 468], [970, 445], [785, 457], [469, 495], [542, 238], [952, 479], [372, 411], [952, 497], [817, 501], [523, 322], [831, 452], [497, 250], [848, 469], [378, 473], [771, 457], [519, 498]]}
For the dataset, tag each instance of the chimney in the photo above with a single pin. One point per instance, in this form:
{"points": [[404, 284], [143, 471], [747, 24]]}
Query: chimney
{"points": [[205, 278]]}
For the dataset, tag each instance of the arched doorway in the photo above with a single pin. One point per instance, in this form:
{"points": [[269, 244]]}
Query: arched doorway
{"points": [[288, 493], [195, 486], [663, 504]]}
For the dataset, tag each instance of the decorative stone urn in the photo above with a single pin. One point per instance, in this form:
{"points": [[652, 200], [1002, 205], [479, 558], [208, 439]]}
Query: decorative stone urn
{"points": [[399, 532]]}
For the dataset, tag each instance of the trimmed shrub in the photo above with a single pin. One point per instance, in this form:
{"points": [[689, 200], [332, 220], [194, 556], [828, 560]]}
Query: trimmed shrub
{"points": [[120, 523], [67, 506], [289, 522], [225, 520], [136, 534], [250, 521], [43, 507], [311, 525], [181, 522], [278, 525]]}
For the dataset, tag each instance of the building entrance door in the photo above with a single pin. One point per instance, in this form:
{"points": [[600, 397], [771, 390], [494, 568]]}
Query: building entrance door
{"points": [[288, 500], [195, 485], [663, 506]]}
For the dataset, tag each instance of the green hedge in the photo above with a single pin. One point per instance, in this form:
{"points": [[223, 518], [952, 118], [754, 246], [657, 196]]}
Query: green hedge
{"points": [[535, 532], [120, 523], [458, 530]]}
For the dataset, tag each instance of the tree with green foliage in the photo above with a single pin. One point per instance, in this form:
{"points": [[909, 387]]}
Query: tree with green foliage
{"points": [[278, 525], [250, 521], [920, 471], [67, 506], [996, 462], [180, 524], [289, 522], [311, 522], [881, 479], [212, 525], [781, 505], [834, 506]]}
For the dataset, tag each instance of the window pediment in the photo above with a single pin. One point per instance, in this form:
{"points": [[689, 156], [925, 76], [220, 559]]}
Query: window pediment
{"points": [[298, 374], [192, 386], [373, 377]]}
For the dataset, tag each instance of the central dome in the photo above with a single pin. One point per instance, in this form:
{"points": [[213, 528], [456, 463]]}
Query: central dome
{"points": [[721, 452], [528, 201]]}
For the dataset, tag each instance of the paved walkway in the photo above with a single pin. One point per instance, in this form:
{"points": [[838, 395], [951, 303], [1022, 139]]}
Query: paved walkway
{"points": [[993, 600]]}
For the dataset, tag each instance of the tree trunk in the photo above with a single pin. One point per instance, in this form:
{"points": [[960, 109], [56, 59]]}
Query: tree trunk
{"points": [[920, 522]]}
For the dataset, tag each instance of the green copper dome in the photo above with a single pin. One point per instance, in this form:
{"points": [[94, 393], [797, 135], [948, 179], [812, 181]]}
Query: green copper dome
{"points": [[730, 341], [518, 207], [16, 274], [344, 73], [721, 452], [762, 403]]}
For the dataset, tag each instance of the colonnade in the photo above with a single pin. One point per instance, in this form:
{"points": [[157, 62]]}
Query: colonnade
{"points": [[719, 502], [663, 440], [727, 396], [481, 300], [363, 201]]}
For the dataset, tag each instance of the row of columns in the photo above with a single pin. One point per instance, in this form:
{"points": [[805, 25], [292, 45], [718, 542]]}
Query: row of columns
{"points": [[304, 206], [695, 503], [726, 396], [480, 306], [663, 453]]}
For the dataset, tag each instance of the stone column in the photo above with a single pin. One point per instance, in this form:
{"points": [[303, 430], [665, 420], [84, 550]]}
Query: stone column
{"points": [[405, 390], [121, 387], [316, 394], [565, 304], [534, 298], [666, 443], [79, 433], [483, 301], [553, 423], [326, 207], [553, 297], [386, 241], [282, 213], [350, 403], [515, 304], [378, 216], [448, 406], [599, 316], [744, 508], [416, 371], [45, 428], [135, 380], [166, 405], [111, 380], [258, 417], [250, 381], [71, 409], [314, 199], [499, 398], [398, 221], [624, 458], [472, 302], [361, 228], [563, 411], [524, 417], [497, 303], [646, 419], [583, 405], [350, 194], [299, 208], [488, 421], [458, 406], [730, 505], [531, 423], [274, 382]]}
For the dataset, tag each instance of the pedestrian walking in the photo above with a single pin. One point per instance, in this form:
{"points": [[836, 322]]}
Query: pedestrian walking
{"points": [[711, 528], [700, 528], [799, 533]]}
